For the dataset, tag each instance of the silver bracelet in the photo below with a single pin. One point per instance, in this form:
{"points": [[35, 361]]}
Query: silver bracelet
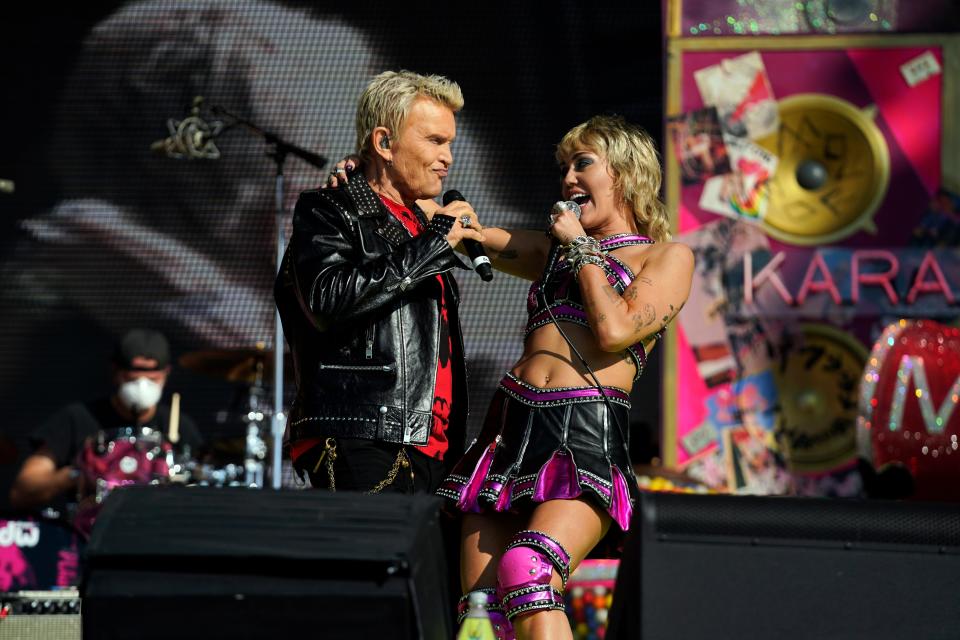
{"points": [[583, 241], [582, 246], [585, 260]]}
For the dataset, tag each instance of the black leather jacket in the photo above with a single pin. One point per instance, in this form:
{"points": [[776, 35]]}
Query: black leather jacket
{"points": [[359, 303]]}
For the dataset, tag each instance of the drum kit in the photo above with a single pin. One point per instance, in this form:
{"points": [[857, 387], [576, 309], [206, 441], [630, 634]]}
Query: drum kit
{"points": [[249, 368], [145, 455]]}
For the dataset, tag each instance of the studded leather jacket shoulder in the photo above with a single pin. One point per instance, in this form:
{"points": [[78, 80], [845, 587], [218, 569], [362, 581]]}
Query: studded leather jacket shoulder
{"points": [[359, 303]]}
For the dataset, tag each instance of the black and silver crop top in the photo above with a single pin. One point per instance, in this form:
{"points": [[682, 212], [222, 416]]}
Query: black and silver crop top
{"points": [[563, 294]]}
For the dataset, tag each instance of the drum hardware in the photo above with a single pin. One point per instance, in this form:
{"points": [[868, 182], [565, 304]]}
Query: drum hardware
{"points": [[116, 458], [179, 467], [255, 451], [129, 455], [245, 366], [198, 136], [208, 475], [251, 367], [145, 455]]}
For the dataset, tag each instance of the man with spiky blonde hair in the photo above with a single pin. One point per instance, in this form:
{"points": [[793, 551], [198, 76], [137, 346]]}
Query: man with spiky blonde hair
{"points": [[388, 98], [369, 306]]}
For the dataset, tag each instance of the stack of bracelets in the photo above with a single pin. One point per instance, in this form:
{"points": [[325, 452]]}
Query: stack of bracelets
{"points": [[581, 251]]}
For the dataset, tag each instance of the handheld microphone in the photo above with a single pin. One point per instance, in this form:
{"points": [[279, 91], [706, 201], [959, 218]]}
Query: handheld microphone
{"points": [[559, 207], [555, 247], [566, 205], [481, 263]]}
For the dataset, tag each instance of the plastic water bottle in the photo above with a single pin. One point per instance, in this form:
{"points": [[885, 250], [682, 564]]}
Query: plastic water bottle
{"points": [[476, 626]]}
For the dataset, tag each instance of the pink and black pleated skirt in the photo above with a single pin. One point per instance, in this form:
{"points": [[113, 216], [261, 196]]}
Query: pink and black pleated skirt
{"points": [[547, 444]]}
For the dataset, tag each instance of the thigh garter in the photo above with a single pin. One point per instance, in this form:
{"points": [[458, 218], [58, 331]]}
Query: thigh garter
{"points": [[525, 570]]}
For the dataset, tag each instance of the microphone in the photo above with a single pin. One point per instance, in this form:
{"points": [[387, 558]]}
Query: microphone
{"points": [[481, 263], [559, 207], [191, 138], [566, 205]]}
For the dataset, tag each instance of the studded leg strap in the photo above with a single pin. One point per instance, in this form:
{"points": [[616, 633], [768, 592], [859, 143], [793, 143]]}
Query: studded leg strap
{"points": [[525, 571]]}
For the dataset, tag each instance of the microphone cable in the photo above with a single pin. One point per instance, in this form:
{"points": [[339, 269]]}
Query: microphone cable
{"points": [[551, 259]]}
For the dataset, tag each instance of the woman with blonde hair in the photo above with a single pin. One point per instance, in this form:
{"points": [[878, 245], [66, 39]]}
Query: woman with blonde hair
{"points": [[550, 471]]}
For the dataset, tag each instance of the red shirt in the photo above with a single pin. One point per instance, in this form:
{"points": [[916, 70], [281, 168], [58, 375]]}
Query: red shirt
{"points": [[437, 443]]}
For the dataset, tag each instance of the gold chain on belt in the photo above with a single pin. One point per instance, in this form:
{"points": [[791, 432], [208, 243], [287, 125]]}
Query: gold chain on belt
{"points": [[330, 454]]}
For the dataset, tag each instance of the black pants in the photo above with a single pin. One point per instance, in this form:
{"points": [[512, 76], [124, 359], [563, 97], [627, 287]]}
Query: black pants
{"points": [[361, 465]]}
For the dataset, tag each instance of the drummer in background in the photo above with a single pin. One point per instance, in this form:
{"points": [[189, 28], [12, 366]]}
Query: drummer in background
{"points": [[140, 366]]}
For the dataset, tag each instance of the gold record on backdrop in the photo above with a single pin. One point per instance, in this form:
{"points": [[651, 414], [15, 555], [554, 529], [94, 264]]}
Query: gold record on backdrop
{"points": [[818, 382], [833, 170]]}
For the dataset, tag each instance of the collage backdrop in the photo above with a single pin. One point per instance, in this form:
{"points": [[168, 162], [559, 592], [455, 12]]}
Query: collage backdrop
{"points": [[100, 234], [813, 167]]}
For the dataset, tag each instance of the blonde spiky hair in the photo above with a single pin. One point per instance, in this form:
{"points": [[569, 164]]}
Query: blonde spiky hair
{"points": [[387, 100]]}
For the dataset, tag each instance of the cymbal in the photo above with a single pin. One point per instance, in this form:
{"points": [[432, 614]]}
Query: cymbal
{"points": [[233, 365]]}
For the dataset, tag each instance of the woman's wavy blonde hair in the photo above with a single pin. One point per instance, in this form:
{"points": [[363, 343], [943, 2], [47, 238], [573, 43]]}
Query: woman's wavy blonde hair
{"points": [[631, 154]]}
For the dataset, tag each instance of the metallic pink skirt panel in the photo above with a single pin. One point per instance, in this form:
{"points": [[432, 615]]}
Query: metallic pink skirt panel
{"points": [[548, 444]]}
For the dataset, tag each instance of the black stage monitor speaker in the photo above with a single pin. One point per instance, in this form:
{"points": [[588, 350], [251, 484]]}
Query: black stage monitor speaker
{"points": [[701, 566], [206, 562]]}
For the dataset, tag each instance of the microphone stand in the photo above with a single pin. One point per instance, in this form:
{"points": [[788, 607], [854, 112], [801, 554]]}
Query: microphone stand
{"points": [[277, 149]]}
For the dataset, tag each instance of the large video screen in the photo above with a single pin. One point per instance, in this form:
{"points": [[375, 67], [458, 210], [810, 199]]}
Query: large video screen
{"points": [[101, 233]]}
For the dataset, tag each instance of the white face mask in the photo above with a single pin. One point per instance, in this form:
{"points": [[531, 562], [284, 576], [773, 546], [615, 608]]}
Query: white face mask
{"points": [[140, 394]]}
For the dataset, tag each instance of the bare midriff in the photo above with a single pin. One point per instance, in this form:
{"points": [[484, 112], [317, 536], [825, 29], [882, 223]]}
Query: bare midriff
{"points": [[548, 361]]}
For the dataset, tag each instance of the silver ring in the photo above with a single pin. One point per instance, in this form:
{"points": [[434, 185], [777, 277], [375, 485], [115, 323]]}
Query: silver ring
{"points": [[465, 220]]}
